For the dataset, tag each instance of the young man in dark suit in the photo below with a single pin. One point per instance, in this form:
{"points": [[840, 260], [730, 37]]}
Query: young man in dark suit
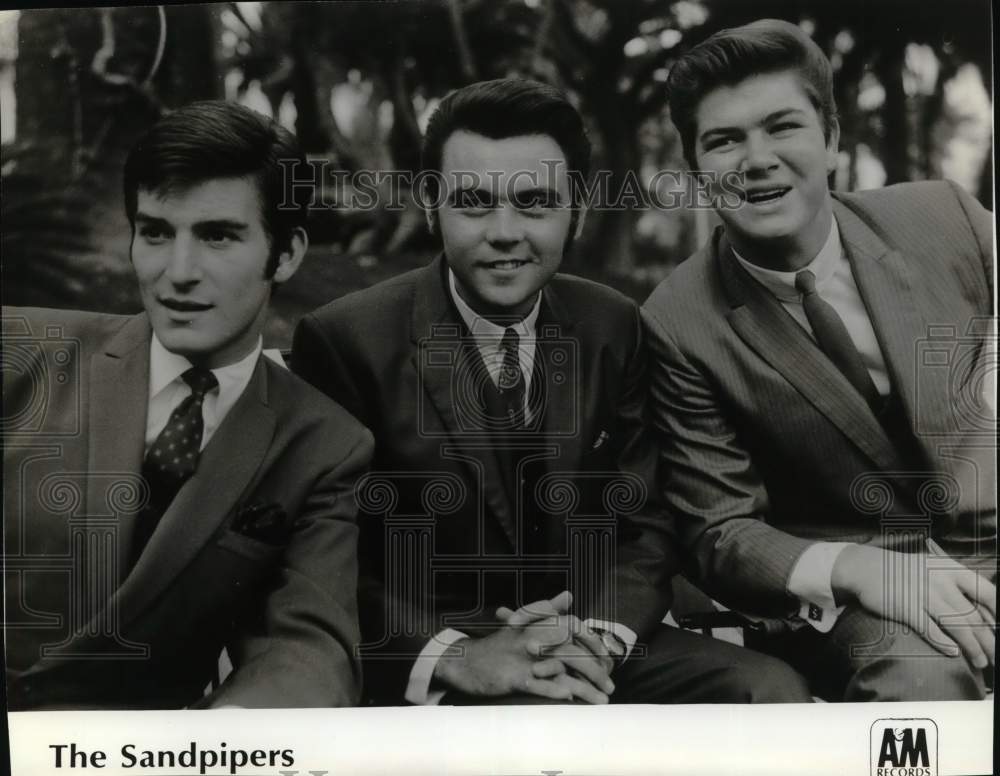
{"points": [[168, 490], [814, 385], [511, 471]]}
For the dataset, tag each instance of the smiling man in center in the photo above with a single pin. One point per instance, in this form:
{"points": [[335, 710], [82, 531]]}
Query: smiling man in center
{"points": [[511, 469]]}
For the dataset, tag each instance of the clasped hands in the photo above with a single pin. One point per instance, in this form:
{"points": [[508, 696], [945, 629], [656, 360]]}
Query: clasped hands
{"points": [[540, 650]]}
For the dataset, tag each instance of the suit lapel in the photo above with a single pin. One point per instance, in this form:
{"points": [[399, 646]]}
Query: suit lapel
{"points": [[226, 467], [887, 291], [441, 346], [119, 397], [758, 318]]}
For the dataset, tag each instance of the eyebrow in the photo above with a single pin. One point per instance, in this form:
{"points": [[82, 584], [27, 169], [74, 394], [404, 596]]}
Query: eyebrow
{"points": [[542, 192], [213, 223], [459, 196], [778, 114]]}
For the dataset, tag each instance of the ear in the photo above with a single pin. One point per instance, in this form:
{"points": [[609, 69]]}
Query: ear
{"points": [[833, 147], [431, 216], [290, 260]]}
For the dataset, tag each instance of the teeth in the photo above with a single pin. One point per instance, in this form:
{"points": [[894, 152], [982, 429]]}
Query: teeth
{"points": [[764, 196]]}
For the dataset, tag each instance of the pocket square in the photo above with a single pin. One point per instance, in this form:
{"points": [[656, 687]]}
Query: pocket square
{"points": [[601, 439], [264, 522]]}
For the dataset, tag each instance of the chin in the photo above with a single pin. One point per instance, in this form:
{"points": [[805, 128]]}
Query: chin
{"points": [[512, 305], [778, 230], [186, 346]]}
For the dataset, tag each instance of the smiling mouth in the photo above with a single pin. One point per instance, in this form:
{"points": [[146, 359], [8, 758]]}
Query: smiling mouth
{"points": [[183, 306], [506, 264], [766, 196]]}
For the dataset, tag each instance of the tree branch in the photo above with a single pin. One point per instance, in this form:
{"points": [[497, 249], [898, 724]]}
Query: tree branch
{"points": [[465, 59]]}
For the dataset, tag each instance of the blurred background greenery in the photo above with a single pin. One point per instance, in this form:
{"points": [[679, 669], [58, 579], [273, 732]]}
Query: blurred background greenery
{"points": [[358, 80]]}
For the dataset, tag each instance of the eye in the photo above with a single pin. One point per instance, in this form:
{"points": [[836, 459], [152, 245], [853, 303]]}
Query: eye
{"points": [[153, 234], [720, 143], [218, 237], [785, 126], [473, 202]]}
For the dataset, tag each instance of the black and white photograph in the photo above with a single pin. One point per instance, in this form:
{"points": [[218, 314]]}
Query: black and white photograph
{"points": [[499, 386]]}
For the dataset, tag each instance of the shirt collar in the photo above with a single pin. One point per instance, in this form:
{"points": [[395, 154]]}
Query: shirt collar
{"points": [[782, 284], [165, 367], [483, 329]]}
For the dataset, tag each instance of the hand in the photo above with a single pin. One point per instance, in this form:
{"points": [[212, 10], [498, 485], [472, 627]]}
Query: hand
{"points": [[950, 606], [503, 663], [538, 612], [584, 654]]}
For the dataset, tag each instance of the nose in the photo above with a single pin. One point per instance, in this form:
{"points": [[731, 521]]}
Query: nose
{"points": [[183, 263], [505, 228], [758, 155]]}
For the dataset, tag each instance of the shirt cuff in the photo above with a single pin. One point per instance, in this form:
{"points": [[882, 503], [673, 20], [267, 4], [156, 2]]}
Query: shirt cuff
{"points": [[624, 634], [418, 689], [810, 583]]}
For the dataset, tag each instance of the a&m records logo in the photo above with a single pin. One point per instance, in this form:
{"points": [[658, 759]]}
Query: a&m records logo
{"points": [[904, 747]]}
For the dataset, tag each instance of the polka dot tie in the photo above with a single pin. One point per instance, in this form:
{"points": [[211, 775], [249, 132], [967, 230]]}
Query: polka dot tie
{"points": [[173, 456]]}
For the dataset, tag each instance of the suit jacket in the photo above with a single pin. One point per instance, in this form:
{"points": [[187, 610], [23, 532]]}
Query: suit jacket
{"points": [[764, 445], [82, 628], [448, 532]]}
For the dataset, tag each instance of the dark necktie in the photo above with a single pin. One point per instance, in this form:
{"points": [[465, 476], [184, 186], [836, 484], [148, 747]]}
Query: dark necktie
{"points": [[511, 380], [173, 456], [833, 338]]}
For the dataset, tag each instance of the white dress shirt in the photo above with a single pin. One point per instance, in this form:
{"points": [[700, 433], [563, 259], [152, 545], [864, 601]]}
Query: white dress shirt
{"points": [[167, 389], [811, 575], [488, 336]]}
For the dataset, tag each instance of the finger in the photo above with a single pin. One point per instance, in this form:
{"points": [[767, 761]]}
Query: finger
{"points": [[595, 645], [965, 624], [582, 690], [585, 665], [979, 624], [991, 634], [539, 648], [553, 631], [527, 614], [536, 610], [966, 640], [936, 638], [980, 590], [548, 688], [546, 669], [591, 642], [563, 602]]}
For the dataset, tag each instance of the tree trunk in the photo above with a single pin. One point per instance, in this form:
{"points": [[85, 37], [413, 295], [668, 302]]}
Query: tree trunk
{"points": [[85, 90], [610, 233], [895, 115], [191, 69]]}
